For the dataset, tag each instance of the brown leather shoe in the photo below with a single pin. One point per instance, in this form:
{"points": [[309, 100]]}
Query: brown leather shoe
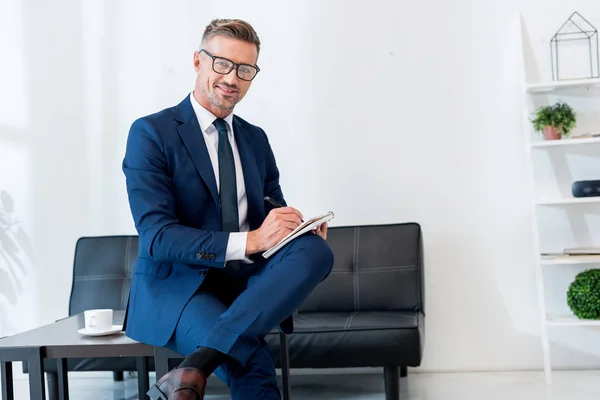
{"points": [[179, 384]]}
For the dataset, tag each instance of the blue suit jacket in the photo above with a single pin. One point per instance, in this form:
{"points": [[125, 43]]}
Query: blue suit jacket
{"points": [[175, 206]]}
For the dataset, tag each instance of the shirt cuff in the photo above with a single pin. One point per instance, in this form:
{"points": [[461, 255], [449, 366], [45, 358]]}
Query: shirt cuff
{"points": [[236, 246]]}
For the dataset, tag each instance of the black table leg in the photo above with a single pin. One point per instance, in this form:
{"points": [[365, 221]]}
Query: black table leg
{"points": [[63, 379], [37, 387], [143, 379], [161, 362], [285, 366], [6, 376]]}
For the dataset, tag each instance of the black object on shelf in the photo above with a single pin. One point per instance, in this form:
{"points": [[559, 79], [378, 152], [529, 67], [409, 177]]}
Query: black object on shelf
{"points": [[576, 29], [586, 188]]}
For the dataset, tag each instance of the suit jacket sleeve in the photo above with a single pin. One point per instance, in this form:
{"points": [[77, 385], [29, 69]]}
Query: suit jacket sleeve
{"points": [[272, 187], [152, 205]]}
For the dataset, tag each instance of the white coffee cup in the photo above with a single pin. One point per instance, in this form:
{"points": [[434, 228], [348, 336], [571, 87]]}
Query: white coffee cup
{"points": [[97, 321]]}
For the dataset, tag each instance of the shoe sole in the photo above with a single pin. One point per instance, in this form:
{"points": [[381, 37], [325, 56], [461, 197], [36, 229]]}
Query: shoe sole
{"points": [[156, 394]]}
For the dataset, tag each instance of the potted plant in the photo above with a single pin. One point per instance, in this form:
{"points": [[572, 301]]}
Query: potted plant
{"points": [[583, 295], [555, 121]]}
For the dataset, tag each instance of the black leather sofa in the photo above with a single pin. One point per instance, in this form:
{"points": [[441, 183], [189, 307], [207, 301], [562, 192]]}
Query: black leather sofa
{"points": [[369, 312]]}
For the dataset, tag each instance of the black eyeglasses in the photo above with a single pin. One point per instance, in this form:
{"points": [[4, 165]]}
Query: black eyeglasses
{"points": [[224, 66]]}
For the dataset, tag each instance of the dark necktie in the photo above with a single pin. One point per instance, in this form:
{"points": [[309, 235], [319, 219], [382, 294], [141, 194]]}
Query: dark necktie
{"points": [[227, 186], [227, 183]]}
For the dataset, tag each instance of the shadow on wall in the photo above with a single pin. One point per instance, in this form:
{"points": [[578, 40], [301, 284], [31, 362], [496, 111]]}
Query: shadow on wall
{"points": [[14, 246]]}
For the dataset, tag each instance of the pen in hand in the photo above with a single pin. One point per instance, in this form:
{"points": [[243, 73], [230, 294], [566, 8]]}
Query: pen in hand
{"points": [[274, 203]]}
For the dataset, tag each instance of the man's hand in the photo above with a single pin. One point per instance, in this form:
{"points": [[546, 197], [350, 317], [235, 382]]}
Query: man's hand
{"points": [[278, 224], [321, 230]]}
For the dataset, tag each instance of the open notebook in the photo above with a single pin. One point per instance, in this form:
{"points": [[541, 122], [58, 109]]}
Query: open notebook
{"points": [[306, 226]]}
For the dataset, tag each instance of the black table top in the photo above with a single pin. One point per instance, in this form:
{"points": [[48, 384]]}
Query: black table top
{"points": [[61, 340]]}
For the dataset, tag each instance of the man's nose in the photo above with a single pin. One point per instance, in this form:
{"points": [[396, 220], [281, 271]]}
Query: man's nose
{"points": [[232, 78]]}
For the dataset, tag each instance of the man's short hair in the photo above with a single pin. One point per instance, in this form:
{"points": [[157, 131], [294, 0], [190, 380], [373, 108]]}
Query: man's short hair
{"points": [[233, 28]]}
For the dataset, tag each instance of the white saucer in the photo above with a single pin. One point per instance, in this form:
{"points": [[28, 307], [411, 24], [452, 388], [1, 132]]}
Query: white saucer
{"points": [[111, 331]]}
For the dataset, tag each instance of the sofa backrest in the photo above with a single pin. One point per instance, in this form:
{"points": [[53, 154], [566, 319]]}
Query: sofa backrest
{"points": [[102, 272], [376, 268]]}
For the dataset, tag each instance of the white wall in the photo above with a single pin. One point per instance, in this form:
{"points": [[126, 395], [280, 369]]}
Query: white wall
{"points": [[400, 111]]}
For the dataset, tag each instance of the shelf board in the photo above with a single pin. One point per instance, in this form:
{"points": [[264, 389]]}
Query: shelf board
{"points": [[553, 86], [570, 260], [570, 321], [564, 142], [574, 200]]}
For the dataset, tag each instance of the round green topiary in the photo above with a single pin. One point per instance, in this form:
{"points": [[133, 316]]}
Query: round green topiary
{"points": [[583, 296]]}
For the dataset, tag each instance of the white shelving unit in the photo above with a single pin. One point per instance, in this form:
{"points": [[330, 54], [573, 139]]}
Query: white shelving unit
{"points": [[564, 142], [570, 260], [568, 201], [544, 93], [568, 321], [555, 86]]}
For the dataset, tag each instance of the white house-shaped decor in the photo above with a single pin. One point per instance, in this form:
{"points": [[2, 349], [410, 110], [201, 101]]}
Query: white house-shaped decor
{"points": [[574, 50]]}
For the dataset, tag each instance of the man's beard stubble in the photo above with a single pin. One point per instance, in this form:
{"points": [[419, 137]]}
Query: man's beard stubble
{"points": [[220, 102]]}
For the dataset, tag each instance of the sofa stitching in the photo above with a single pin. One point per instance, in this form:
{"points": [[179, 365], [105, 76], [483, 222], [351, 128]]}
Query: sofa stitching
{"points": [[390, 313], [390, 269], [393, 272], [347, 321], [334, 330], [355, 269], [350, 318]]}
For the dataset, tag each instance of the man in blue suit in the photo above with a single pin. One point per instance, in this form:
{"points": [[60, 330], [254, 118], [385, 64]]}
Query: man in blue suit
{"points": [[197, 177]]}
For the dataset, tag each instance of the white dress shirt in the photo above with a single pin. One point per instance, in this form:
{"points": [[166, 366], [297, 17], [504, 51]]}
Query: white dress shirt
{"points": [[236, 246]]}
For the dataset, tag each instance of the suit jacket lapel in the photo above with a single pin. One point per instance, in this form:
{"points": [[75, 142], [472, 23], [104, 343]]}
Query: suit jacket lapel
{"points": [[254, 192], [192, 138]]}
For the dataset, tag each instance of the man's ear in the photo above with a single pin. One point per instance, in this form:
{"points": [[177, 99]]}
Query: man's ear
{"points": [[197, 61]]}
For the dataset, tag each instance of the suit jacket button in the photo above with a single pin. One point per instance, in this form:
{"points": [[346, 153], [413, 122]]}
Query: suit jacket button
{"points": [[198, 255], [212, 256], [202, 273]]}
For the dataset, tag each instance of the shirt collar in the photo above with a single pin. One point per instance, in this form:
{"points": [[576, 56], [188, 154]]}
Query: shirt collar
{"points": [[206, 118]]}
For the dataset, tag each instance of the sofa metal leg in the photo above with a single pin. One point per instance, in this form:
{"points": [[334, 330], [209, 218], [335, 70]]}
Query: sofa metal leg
{"points": [[285, 366], [403, 372], [52, 379], [118, 376], [392, 383]]}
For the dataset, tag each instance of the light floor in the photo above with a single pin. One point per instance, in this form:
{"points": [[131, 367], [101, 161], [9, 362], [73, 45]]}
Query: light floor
{"points": [[584, 385]]}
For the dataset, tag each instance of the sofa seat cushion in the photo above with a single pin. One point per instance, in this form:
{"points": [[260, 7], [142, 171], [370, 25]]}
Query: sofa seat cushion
{"points": [[354, 321], [354, 339]]}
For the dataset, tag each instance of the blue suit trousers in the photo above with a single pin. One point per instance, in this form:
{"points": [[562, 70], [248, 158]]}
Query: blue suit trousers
{"points": [[233, 315]]}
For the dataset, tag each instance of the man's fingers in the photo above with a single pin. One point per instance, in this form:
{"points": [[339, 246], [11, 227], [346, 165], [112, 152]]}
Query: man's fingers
{"points": [[289, 225], [288, 210], [321, 230], [291, 218]]}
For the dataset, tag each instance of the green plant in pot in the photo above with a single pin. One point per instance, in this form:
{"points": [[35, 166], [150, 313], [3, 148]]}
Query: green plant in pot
{"points": [[556, 121], [583, 295]]}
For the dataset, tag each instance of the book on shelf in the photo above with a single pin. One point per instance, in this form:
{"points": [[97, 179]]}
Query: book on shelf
{"points": [[586, 135], [584, 251], [592, 252]]}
